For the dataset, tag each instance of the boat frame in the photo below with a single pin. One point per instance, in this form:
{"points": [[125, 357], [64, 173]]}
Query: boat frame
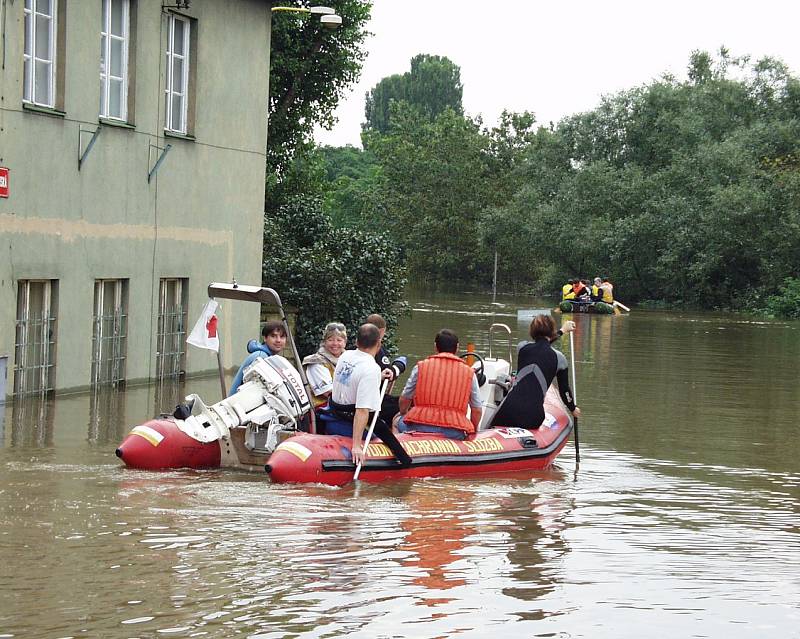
{"points": [[263, 295]]}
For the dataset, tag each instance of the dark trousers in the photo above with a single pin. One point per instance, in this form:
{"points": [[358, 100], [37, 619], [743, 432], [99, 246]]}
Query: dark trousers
{"points": [[383, 431], [390, 406], [385, 434]]}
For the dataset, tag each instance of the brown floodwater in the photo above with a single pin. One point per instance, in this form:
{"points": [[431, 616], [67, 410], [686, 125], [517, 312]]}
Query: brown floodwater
{"points": [[683, 519]]}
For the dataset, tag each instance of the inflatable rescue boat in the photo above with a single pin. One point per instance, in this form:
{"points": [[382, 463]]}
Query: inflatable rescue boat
{"points": [[268, 424], [326, 459]]}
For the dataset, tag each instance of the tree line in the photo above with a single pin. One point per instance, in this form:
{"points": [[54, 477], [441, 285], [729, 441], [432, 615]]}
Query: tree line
{"points": [[683, 191]]}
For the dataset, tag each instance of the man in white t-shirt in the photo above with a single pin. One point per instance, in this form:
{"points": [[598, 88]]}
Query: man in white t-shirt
{"points": [[356, 392]]}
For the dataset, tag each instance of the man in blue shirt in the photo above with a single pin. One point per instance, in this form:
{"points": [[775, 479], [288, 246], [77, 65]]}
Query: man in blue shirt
{"points": [[273, 339]]}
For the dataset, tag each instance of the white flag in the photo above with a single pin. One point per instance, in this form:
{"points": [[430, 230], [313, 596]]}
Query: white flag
{"points": [[204, 334]]}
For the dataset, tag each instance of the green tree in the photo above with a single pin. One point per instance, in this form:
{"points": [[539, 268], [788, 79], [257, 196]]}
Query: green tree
{"points": [[433, 190], [432, 85], [328, 273], [682, 191], [311, 68]]}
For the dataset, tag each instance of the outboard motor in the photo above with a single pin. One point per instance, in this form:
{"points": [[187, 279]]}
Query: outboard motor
{"points": [[269, 405]]}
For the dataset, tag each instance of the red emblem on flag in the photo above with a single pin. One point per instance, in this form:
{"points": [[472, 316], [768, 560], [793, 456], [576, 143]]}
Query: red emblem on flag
{"points": [[211, 326]]}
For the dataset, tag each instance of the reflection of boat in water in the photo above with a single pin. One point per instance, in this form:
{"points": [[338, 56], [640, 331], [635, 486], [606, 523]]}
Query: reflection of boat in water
{"points": [[262, 425]]}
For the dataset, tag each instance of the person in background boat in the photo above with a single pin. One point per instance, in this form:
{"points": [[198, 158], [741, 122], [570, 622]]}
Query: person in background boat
{"points": [[390, 369], [539, 363], [273, 339], [566, 291], [608, 291], [438, 391], [597, 290], [579, 289], [319, 366], [356, 396]]}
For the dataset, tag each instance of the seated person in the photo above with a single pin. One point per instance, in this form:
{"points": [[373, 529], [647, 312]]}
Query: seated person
{"points": [[539, 364], [567, 292], [440, 388], [597, 290], [320, 365], [577, 289], [581, 290], [390, 369], [273, 339], [608, 291], [356, 397]]}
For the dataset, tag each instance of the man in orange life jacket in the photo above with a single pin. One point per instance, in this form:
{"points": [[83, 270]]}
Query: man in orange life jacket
{"points": [[440, 388]]}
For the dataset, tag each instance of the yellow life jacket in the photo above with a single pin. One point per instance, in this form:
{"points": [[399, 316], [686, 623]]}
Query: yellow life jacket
{"points": [[608, 292], [567, 292]]}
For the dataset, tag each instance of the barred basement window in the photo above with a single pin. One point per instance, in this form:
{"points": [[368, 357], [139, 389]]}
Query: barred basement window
{"points": [[171, 335], [110, 332], [35, 344]]}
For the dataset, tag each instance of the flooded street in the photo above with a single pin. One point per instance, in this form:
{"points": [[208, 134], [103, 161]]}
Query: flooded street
{"points": [[683, 519]]}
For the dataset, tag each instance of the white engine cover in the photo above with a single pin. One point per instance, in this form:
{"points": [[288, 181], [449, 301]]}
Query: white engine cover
{"points": [[272, 396], [282, 380]]}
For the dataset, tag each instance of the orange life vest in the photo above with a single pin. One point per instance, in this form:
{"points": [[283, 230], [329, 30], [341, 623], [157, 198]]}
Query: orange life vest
{"points": [[444, 383]]}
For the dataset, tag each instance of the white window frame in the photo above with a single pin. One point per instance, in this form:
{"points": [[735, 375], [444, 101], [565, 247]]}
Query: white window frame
{"points": [[105, 74], [32, 12], [177, 86]]}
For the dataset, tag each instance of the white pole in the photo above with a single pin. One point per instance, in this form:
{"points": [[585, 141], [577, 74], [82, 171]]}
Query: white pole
{"points": [[494, 284], [574, 398], [572, 366], [371, 429]]}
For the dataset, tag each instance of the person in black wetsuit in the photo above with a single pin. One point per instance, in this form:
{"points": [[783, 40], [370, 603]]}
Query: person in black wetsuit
{"points": [[538, 364], [389, 370]]}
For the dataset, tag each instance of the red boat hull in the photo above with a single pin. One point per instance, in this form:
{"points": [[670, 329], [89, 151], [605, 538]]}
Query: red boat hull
{"points": [[159, 444], [326, 459]]}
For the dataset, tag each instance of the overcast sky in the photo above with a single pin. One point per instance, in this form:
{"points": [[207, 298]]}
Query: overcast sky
{"points": [[558, 58]]}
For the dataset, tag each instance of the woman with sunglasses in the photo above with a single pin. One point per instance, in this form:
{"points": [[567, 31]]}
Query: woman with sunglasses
{"points": [[319, 366]]}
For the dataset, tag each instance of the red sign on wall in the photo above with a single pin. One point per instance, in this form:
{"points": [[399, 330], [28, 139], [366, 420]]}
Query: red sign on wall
{"points": [[3, 181]]}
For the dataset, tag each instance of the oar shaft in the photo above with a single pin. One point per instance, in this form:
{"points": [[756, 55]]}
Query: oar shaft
{"points": [[574, 397], [371, 429], [572, 366]]}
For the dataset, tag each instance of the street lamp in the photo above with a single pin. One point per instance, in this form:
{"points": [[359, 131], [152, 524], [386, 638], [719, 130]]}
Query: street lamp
{"points": [[327, 16]]}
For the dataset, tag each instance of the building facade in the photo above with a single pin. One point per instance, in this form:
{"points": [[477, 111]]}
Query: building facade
{"points": [[132, 159]]}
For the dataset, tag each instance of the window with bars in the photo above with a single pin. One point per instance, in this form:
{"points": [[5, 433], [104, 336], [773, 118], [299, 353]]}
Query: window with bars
{"points": [[114, 46], [176, 88], [171, 333], [39, 54], [110, 332], [35, 343]]}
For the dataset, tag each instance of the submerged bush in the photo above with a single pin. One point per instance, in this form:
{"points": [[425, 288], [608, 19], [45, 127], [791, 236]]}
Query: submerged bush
{"points": [[787, 303], [330, 274]]}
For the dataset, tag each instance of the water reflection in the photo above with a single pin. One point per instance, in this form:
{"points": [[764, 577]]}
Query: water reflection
{"points": [[436, 531], [169, 393], [685, 509], [107, 416], [32, 422]]}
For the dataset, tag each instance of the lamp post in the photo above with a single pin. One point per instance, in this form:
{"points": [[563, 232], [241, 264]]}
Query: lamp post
{"points": [[327, 16], [328, 19]]}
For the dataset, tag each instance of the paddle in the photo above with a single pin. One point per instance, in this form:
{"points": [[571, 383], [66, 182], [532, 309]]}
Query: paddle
{"points": [[621, 305], [371, 429], [574, 396]]}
